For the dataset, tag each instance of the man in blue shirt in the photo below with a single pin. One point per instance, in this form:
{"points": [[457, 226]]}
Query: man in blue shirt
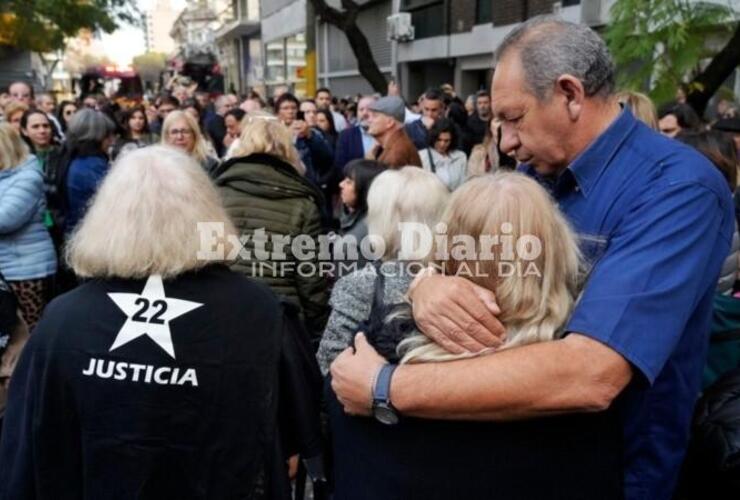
{"points": [[655, 220]]}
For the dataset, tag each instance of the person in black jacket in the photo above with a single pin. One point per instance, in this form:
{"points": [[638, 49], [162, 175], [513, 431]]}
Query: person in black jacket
{"points": [[165, 375]]}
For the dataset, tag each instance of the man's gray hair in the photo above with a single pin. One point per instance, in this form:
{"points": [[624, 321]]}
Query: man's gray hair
{"points": [[89, 125], [549, 47]]}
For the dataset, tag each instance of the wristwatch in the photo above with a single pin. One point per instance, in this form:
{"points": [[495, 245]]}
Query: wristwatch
{"points": [[383, 410]]}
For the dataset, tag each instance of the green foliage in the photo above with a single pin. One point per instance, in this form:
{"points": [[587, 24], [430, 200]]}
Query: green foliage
{"points": [[43, 25], [658, 45], [150, 65]]}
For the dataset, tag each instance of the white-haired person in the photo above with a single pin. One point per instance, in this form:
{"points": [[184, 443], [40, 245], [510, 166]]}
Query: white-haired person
{"points": [[165, 374], [267, 195], [27, 257], [409, 195], [519, 246], [181, 130]]}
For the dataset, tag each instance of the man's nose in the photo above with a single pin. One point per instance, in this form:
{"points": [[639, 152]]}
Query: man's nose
{"points": [[509, 138]]}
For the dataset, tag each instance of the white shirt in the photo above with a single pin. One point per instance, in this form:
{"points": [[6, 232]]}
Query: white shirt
{"points": [[340, 122], [450, 169]]}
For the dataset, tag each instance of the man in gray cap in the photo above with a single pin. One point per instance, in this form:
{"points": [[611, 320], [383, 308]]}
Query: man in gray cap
{"points": [[394, 147]]}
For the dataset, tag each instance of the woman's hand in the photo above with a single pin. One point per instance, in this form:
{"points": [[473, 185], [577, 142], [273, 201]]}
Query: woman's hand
{"points": [[353, 373], [456, 313]]}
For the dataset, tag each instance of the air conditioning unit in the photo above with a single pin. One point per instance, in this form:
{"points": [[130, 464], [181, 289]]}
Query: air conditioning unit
{"points": [[399, 27], [595, 12]]}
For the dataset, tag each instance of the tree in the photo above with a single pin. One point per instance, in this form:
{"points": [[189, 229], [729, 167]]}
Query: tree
{"points": [[662, 45], [43, 26], [150, 65], [346, 20]]}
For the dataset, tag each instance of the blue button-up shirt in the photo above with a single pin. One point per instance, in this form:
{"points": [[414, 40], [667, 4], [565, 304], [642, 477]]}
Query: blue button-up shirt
{"points": [[655, 221]]}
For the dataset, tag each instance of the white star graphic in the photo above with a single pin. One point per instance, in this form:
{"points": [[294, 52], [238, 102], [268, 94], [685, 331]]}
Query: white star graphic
{"points": [[150, 313]]}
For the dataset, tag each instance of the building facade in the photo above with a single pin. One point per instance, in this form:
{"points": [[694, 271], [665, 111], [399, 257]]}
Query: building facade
{"points": [[159, 21], [284, 45], [240, 48]]}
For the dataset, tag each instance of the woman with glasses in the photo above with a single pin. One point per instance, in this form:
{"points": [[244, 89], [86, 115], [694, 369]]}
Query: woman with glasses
{"points": [[182, 131]]}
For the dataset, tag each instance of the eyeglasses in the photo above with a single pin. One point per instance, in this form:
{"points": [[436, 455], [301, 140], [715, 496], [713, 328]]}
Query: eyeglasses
{"points": [[180, 131]]}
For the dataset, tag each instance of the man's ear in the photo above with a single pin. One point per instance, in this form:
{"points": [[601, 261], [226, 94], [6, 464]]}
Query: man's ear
{"points": [[571, 88]]}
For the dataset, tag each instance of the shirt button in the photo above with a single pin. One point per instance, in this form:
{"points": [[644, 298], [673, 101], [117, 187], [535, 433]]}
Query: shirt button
{"points": [[578, 189]]}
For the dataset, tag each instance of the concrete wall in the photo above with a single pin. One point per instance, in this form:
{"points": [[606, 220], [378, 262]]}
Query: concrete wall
{"points": [[283, 22]]}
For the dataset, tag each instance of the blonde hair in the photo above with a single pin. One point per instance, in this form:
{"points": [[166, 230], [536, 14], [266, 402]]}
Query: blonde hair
{"points": [[534, 305], [264, 133], [12, 108], [12, 148], [144, 218], [200, 149], [406, 195], [641, 105]]}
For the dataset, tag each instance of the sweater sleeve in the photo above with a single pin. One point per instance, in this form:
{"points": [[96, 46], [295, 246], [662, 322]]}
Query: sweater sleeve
{"points": [[350, 301], [19, 202]]}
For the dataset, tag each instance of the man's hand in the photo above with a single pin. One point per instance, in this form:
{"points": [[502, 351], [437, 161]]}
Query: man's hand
{"points": [[456, 313], [353, 374], [427, 122], [393, 88]]}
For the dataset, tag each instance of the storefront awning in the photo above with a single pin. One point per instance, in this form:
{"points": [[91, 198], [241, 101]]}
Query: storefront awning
{"points": [[238, 29]]}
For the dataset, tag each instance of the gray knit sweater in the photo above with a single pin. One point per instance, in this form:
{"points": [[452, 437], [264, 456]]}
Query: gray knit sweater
{"points": [[350, 303]]}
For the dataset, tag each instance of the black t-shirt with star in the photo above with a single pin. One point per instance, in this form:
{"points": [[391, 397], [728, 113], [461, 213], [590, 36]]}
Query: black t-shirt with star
{"points": [[160, 389]]}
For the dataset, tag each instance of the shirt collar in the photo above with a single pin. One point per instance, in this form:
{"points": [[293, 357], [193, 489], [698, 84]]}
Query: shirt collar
{"points": [[589, 165]]}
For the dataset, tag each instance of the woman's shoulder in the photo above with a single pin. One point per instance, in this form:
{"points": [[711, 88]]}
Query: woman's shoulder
{"points": [[458, 155], [29, 170], [360, 284]]}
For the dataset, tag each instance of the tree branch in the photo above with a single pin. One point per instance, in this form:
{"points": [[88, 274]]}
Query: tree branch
{"points": [[346, 21], [719, 69]]}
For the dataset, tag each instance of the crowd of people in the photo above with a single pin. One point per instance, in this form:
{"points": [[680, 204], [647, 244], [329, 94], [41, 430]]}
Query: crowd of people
{"points": [[572, 371]]}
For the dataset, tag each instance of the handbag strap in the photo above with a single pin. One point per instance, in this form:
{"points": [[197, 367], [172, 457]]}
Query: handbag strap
{"points": [[431, 161], [379, 291]]}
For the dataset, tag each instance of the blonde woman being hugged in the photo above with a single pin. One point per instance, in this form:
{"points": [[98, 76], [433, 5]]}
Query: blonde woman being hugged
{"points": [[518, 245], [409, 195], [442, 157], [182, 131], [267, 196], [27, 256]]}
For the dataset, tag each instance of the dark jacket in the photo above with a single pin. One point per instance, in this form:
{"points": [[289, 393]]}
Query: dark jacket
{"points": [[102, 408], [318, 158], [216, 129], [712, 465], [418, 134], [83, 177], [349, 147], [398, 152], [477, 128], [262, 192]]}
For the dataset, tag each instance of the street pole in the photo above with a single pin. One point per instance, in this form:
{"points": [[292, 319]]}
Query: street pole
{"points": [[310, 38]]}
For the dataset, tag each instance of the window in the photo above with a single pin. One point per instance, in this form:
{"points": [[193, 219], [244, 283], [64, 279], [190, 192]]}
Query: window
{"points": [[429, 17], [483, 11]]}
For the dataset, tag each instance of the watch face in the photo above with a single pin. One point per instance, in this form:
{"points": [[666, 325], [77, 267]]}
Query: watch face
{"points": [[385, 415]]}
